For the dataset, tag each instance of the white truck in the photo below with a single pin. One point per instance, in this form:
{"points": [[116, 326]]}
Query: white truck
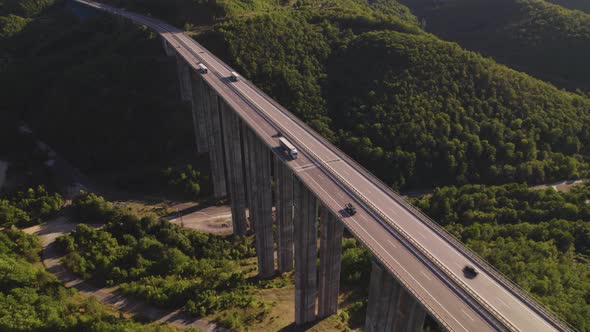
{"points": [[234, 77], [288, 147]]}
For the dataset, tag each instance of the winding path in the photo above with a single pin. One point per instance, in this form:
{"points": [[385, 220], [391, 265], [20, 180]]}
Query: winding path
{"points": [[51, 258]]}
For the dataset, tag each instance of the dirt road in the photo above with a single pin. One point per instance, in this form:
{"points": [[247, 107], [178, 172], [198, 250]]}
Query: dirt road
{"points": [[51, 258]]}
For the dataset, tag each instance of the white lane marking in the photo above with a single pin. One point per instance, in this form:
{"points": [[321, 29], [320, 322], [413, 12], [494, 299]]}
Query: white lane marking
{"points": [[393, 258], [504, 303], [423, 236], [466, 314], [424, 274], [391, 243], [458, 265]]}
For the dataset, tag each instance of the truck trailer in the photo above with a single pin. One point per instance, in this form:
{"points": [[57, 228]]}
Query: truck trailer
{"points": [[288, 147]]}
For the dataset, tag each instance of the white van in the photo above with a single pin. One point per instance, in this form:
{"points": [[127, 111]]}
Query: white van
{"points": [[234, 76], [203, 69]]}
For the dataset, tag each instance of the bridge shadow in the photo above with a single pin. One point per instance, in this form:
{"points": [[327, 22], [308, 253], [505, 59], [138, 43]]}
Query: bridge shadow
{"points": [[343, 213], [279, 152], [183, 212], [304, 327], [194, 208]]}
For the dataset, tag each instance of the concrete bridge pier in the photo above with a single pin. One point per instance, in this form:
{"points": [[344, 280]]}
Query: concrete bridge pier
{"points": [[261, 203], [215, 142], [235, 174], [246, 137], [331, 231], [168, 48], [306, 209], [199, 120], [391, 307], [184, 79], [284, 214]]}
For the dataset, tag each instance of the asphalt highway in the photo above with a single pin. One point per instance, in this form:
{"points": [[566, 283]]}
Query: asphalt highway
{"points": [[422, 257]]}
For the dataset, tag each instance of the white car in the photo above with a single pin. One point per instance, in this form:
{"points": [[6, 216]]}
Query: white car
{"points": [[234, 76]]}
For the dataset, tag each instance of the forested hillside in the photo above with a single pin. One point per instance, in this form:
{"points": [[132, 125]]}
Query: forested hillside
{"points": [[582, 5], [447, 124], [421, 111], [102, 94], [534, 36], [538, 238]]}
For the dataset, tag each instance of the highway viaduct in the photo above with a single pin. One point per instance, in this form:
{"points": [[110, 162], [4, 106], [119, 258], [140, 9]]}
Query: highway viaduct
{"points": [[417, 268]]}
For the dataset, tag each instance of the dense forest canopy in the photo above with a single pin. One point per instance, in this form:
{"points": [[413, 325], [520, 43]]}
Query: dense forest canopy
{"points": [[539, 238], [105, 96], [582, 5], [423, 111], [542, 39]]}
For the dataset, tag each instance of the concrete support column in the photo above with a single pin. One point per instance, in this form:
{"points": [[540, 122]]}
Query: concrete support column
{"points": [[235, 174], [120, 20], [184, 79], [199, 121], [284, 214], [391, 308], [167, 47], [246, 138], [331, 231], [306, 209], [212, 121], [261, 203]]}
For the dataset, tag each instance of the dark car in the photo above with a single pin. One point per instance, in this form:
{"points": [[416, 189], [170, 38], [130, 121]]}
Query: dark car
{"points": [[350, 209], [470, 271]]}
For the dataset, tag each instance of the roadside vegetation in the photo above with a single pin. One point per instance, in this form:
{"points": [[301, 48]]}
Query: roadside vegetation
{"points": [[157, 261], [30, 207]]}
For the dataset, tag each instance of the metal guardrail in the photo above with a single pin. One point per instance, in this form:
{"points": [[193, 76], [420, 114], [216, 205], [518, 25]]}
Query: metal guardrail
{"points": [[516, 290]]}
